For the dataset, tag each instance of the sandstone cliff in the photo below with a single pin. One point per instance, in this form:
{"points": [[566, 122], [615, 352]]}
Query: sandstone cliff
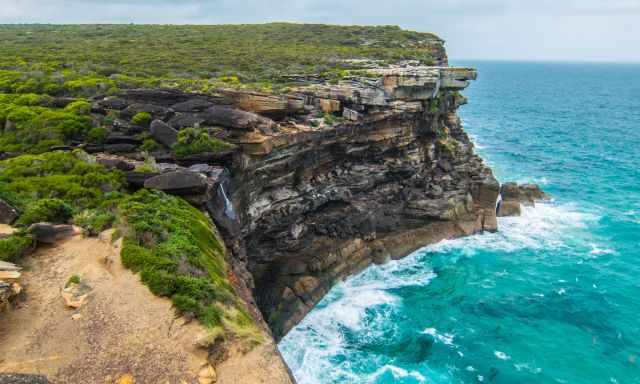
{"points": [[324, 180], [315, 183]]}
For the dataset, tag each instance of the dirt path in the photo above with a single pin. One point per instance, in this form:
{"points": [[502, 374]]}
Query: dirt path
{"points": [[121, 329]]}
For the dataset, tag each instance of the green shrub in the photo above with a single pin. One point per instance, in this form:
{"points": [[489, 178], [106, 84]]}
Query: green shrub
{"points": [[46, 210], [79, 107], [150, 145], [94, 221], [57, 175], [97, 135], [141, 118], [15, 247], [75, 279], [193, 141]]}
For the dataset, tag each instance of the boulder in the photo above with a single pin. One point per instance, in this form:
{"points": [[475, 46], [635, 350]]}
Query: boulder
{"points": [[178, 182], [185, 120], [116, 163], [8, 214], [235, 118], [163, 133], [50, 233], [137, 179], [193, 105], [156, 111]]}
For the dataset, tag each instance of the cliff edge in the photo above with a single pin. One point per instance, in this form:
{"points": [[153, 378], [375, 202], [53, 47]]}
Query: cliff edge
{"points": [[303, 172]]}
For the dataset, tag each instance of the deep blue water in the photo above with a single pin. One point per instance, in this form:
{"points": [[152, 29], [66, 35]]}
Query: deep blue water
{"points": [[554, 297]]}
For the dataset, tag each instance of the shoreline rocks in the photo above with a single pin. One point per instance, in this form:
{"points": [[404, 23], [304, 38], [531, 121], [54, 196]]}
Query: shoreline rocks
{"points": [[514, 195]]}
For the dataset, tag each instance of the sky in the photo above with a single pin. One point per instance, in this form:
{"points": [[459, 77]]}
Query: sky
{"points": [[558, 30]]}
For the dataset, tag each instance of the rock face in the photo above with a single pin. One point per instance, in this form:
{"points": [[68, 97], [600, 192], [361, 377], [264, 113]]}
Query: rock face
{"points": [[316, 204], [324, 180]]}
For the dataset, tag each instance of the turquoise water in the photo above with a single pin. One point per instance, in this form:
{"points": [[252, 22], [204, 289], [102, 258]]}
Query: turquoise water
{"points": [[554, 297]]}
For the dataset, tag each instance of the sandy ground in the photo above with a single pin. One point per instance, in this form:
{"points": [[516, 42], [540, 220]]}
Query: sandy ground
{"points": [[122, 329]]}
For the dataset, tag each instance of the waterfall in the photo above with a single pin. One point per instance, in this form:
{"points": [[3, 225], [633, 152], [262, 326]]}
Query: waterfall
{"points": [[228, 206]]}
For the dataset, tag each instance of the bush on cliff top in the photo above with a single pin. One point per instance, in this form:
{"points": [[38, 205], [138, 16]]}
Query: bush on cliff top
{"points": [[192, 141], [37, 184]]}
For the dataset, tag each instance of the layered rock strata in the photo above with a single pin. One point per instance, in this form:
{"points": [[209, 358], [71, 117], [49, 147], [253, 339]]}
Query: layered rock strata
{"points": [[323, 181]]}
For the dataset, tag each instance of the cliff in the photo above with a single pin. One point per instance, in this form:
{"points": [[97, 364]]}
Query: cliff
{"points": [[334, 171]]}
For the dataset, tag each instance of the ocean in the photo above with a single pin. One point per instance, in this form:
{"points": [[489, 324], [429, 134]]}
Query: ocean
{"points": [[554, 296]]}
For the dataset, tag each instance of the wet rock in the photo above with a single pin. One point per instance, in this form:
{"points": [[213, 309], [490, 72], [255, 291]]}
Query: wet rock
{"points": [[526, 194], [163, 133], [178, 182], [8, 214], [51, 233], [509, 208]]}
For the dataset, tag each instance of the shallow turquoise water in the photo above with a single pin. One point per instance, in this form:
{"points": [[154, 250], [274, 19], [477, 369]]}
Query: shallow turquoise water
{"points": [[554, 297]]}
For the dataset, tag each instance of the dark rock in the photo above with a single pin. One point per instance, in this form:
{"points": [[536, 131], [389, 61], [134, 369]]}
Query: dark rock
{"points": [[120, 148], [60, 102], [116, 163], [206, 169], [113, 103], [178, 182], [193, 105], [50, 233], [8, 214], [122, 139], [18, 378], [185, 120], [156, 111], [234, 118], [65, 148], [223, 158], [163, 133], [137, 179]]}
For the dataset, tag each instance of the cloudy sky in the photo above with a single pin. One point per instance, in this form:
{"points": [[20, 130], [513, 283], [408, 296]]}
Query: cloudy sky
{"points": [[599, 30]]}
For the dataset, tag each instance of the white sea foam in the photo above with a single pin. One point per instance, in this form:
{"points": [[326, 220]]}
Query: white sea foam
{"points": [[444, 338], [397, 373], [365, 303], [542, 227]]}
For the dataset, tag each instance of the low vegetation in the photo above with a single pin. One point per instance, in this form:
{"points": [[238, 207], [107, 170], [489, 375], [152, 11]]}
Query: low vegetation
{"points": [[88, 59], [175, 249], [192, 141]]}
